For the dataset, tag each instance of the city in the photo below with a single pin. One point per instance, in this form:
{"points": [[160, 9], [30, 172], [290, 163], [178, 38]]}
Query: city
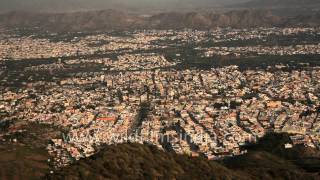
{"points": [[108, 88]]}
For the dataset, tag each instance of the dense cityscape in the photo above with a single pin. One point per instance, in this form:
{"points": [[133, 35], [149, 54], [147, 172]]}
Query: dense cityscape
{"points": [[112, 88]]}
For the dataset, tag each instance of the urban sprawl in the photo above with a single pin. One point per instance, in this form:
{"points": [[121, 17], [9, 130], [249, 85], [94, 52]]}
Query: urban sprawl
{"points": [[106, 88]]}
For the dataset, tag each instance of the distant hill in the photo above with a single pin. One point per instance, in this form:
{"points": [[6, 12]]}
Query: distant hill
{"points": [[280, 4], [119, 20], [210, 20], [140, 5], [266, 160], [76, 21], [304, 20]]}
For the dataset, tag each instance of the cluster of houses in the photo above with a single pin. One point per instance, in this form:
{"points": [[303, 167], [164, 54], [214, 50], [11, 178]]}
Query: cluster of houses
{"points": [[139, 98], [195, 112]]}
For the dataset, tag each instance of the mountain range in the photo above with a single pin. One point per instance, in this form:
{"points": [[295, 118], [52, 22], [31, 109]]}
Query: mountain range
{"points": [[106, 20], [83, 15], [280, 4], [78, 5]]}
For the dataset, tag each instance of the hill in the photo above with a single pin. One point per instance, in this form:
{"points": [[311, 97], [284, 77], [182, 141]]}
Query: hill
{"points": [[23, 150], [266, 160], [106, 20], [280, 4], [135, 161], [304, 157], [140, 5], [26, 157]]}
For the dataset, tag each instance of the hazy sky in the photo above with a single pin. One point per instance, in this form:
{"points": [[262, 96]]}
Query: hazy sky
{"points": [[62, 5]]}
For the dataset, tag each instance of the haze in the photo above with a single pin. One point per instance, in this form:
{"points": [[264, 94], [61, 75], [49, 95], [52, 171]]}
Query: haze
{"points": [[72, 5]]}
